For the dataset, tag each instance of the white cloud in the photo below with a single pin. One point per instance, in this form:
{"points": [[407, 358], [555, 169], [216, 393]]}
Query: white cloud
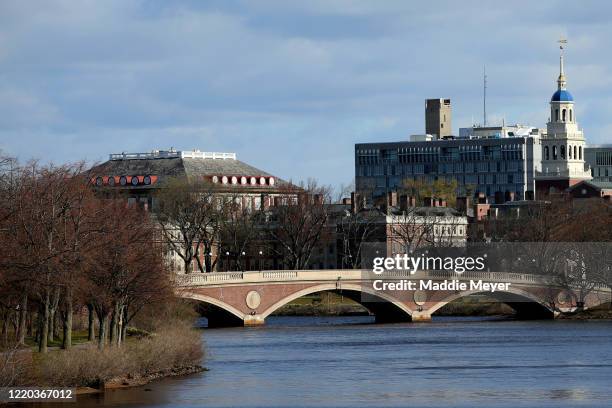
{"points": [[277, 80]]}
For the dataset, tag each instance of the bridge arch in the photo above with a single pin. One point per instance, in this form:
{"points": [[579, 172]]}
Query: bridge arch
{"points": [[222, 314], [526, 304], [384, 307]]}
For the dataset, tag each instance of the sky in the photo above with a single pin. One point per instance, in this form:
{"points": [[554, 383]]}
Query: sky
{"points": [[288, 86]]}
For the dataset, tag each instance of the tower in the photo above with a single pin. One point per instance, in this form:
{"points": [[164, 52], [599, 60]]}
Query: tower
{"points": [[563, 145], [438, 117]]}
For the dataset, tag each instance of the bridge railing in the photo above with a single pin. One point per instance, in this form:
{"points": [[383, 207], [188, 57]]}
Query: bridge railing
{"points": [[191, 279], [223, 278]]}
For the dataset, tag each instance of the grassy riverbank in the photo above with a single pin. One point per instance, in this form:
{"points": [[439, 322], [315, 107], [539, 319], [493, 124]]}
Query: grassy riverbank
{"points": [[333, 304], [322, 304], [603, 312], [171, 350], [162, 342]]}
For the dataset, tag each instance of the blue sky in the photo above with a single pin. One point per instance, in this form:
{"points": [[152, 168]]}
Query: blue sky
{"points": [[289, 86]]}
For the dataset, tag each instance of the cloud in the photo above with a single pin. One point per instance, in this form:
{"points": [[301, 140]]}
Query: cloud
{"points": [[289, 86]]}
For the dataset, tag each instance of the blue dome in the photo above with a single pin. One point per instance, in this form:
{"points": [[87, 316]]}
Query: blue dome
{"points": [[562, 96]]}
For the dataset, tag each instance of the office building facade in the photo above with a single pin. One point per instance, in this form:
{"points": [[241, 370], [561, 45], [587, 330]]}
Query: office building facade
{"points": [[503, 169], [599, 159]]}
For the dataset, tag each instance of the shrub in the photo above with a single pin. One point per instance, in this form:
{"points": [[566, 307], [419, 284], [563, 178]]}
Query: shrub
{"points": [[172, 347], [15, 367]]}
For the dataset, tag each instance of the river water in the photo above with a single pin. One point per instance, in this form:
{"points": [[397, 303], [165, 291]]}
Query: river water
{"points": [[349, 361]]}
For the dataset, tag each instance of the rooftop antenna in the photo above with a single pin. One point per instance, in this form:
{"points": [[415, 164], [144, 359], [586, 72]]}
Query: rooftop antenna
{"points": [[484, 96]]}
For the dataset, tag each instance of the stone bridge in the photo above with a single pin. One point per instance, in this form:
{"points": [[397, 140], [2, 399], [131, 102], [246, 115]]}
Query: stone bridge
{"points": [[247, 298]]}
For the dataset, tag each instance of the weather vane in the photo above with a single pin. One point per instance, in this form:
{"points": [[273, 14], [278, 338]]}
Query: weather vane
{"points": [[562, 41]]}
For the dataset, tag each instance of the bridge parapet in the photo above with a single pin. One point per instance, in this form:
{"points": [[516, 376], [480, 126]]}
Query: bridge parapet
{"points": [[280, 274], [196, 279], [230, 278]]}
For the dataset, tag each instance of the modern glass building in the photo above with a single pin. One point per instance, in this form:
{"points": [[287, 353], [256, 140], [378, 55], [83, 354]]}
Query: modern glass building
{"points": [[501, 168]]}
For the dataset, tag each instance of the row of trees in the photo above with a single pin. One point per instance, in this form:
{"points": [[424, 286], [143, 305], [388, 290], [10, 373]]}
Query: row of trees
{"points": [[211, 230], [567, 241], [64, 250], [208, 229]]}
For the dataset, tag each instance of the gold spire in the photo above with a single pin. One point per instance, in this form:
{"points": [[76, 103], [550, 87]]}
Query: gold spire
{"points": [[561, 80]]}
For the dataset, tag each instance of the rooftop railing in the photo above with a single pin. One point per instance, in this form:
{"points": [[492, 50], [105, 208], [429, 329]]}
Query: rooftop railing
{"points": [[165, 154]]}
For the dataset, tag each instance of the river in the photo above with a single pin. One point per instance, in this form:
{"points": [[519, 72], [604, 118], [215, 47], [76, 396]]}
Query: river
{"points": [[349, 361]]}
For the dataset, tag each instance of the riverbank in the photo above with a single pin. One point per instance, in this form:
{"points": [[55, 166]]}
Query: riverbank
{"points": [[332, 304], [603, 312], [162, 343], [130, 380]]}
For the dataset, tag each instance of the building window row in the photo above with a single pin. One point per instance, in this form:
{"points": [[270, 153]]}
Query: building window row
{"points": [[603, 158], [556, 153]]}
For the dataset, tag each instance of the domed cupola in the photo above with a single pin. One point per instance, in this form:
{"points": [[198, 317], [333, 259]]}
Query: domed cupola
{"points": [[562, 95]]}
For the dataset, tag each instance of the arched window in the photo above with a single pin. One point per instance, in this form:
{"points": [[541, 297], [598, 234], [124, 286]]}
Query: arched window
{"points": [[556, 115], [579, 152], [546, 153], [569, 152], [563, 152], [571, 115], [554, 153], [563, 115], [575, 155]]}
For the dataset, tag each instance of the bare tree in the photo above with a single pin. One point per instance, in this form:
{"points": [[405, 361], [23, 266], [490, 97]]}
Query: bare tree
{"points": [[186, 213], [238, 229], [42, 201], [296, 223], [356, 229], [127, 273]]}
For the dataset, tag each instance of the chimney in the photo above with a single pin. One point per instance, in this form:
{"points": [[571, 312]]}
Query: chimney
{"points": [[463, 203], [392, 199], [403, 202], [357, 202], [347, 201], [481, 211], [499, 197]]}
